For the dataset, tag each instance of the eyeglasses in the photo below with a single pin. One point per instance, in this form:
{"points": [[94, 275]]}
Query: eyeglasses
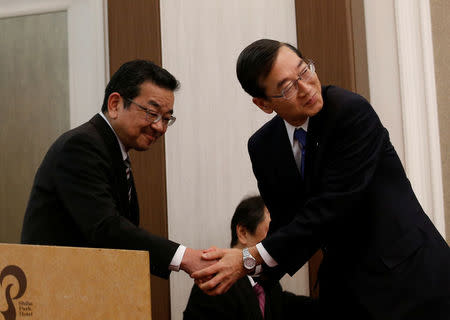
{"points": [[292, 88], [152, 116]]}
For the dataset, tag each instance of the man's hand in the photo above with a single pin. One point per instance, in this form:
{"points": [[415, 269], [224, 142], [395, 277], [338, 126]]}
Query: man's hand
{"points": [[192, 260], [224, 273]]}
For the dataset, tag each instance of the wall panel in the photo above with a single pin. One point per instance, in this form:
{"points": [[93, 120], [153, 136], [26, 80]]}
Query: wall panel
{"points": [[134, 33], [34, 92], [440, 11], [53, 77], [332, 33], [52, 60]]}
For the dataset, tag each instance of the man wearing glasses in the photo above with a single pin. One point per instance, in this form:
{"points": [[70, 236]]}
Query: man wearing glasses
{"points": [[83, 193], [331, 179]]}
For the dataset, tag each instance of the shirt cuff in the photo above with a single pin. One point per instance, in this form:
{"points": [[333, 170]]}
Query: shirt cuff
{"points": [[266, 256], [177, 258]]}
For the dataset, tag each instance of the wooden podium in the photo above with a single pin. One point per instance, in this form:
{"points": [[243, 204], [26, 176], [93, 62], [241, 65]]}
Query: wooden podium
{"points": [[49, 282]]}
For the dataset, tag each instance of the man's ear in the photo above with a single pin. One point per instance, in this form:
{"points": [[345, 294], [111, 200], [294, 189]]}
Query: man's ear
{"points": [[263, 105], [241, 234], [113, 104]]}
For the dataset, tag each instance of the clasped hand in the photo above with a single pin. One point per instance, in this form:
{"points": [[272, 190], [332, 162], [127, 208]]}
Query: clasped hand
{"points": [[219, 277]]}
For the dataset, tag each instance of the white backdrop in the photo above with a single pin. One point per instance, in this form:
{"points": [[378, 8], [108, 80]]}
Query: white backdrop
{"points": [[208, 168], [402, 91]]}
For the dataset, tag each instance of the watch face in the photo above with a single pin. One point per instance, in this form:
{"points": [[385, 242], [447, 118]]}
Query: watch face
{"points": [[249, 263]]}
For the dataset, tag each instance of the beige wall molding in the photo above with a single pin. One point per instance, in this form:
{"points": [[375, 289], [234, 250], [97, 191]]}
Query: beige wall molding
{"points": [[86, 21], [419, 106]]}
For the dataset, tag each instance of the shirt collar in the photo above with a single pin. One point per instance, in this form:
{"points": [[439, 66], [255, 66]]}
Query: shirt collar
{"points": [[290, 130], [122, 147]]}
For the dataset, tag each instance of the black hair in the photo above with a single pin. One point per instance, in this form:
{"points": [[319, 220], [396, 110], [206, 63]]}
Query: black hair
{"points": [[255, 62], [128, 79], [249, 214]]}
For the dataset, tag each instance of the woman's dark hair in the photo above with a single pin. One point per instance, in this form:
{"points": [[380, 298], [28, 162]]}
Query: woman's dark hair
{"points": [[255, 62], [128, 79], [249, 214]]}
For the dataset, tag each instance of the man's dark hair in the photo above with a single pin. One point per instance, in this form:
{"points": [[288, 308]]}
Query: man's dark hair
{"points": [[255, 62], [249, 214], [128, 79]]}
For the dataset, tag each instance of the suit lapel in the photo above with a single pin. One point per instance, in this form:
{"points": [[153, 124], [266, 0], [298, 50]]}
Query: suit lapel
{"points": [[286, 167], [312, 147], [119, 170], [279, 172], [319, 130]]}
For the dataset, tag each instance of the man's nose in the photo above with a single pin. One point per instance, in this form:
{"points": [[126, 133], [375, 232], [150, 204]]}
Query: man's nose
{"points": [[303, 88], [159, 126]]}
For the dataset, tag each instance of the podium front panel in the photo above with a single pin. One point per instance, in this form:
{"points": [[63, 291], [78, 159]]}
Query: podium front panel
{"points": [[49, 282]]}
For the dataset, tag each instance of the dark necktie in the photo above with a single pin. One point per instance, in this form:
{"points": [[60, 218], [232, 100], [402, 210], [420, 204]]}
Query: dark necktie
{"points": [[300, 136], [129, 178], [261, 295]]}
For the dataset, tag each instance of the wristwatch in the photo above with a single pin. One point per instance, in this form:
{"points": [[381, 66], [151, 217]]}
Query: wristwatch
{"points": [[248, 259]]}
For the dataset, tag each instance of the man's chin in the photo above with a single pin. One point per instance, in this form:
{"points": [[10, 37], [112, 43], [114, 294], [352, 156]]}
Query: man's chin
{"points": [[315, 108], [144, 146]]}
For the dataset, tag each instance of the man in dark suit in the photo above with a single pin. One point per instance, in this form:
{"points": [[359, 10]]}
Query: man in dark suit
{"points": [[83, 193], [331, 179], [249, 226]]}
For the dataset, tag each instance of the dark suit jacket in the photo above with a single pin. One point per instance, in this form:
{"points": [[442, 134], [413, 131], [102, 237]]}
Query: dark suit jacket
{"points": [[240, 302], [383, 258], [80, 198]]}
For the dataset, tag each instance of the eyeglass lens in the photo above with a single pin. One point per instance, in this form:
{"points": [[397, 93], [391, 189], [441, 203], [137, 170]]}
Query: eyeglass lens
{"points": [[305, 75]]}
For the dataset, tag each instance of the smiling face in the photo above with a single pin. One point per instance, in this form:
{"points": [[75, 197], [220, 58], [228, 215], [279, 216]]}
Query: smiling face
{"points": [[306, 103], [131, 124]]}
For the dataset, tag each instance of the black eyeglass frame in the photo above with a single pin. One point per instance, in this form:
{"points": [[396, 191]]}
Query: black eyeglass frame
{"points": [[153, 116]]}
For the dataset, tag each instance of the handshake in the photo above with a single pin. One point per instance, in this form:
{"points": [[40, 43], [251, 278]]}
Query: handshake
{"points": [[215, 270]]}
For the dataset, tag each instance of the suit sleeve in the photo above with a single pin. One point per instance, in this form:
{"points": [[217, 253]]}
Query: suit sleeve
{"points": [[83, 176], [353, 151]]}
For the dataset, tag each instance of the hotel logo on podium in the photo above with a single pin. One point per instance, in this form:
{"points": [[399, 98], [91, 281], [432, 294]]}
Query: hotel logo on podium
{"points": [[24, 308]]}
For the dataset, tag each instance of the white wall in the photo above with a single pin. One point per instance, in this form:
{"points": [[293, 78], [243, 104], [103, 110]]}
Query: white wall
{"points": [[402, 91], [382, 56], [208, 168]]}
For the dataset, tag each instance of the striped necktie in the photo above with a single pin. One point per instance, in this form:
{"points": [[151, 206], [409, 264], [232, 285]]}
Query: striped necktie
{"points": [[129, 178]]}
